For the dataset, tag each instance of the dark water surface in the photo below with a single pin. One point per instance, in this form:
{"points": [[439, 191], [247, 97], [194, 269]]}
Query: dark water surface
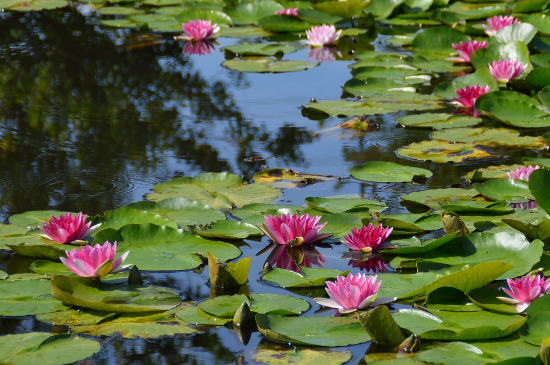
{"points": [[92, 119]]}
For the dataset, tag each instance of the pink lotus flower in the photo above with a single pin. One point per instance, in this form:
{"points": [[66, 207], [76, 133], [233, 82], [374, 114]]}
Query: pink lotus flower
{"points": [[289, 11], [323, 54], [522, 173], [367, 238], [524, 290], [199, 30], [66, 229], [504, 71], [467, 97], [293, 230], [465, 50], [322, 35], [351, 292], [498, 22], [198, 48], [94, 261]]}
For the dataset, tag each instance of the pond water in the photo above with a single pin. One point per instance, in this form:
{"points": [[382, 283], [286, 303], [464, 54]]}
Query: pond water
{"points": [[92, 118]]}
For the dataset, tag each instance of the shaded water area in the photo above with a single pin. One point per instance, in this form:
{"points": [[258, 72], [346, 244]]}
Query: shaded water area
{"points": [[92, 119]]}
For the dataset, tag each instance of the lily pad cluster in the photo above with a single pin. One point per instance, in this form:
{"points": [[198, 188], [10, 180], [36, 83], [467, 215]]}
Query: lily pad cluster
{"points": [[445, 263]]}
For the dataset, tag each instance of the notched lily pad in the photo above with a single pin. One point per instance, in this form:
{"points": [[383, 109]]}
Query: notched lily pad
{"points": [[310, 278], [443, 151], [438, 121]]}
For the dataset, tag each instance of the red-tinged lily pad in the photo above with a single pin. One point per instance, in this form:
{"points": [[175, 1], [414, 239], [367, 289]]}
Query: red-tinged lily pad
{"points": [[443, 151], [305, 356], [316, 331], [118, 298]]}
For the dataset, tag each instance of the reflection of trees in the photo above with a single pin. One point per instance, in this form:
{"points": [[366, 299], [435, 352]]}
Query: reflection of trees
{"points": [[85, 114]]}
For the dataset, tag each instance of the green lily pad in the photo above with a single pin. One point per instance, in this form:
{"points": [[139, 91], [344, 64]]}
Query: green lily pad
{"points": [[344, 9], [344, 108], [487, 298], [45, 348], [289, 178], [218, 190], [407, 224], [283, 23], [539, 21], [538, 321], [382, 171], [414, 245], [438, 40], [343, 205], [266, 65], [195, 315], [434, 64], [45, 249], [50, 268], [38, 5], [316, 331], [400, 286], [468, 10], [311, 277], [443, 151], [476, 248], [469, 207], [520, 32], [490, 137], [254, 213], [458, 325], [340, 223], [120, 217], [128, 325], [491, 172], [118, 10], [225, 306], [501, 51], [430, 198], [513, 108], [161, 248], [182, 211], [481, 76], [251, 12], [504, 189], [34, 218], [226, 229], [243, 32], [303, 356], [259, 49], [538, 186], [11, 234], [215, 16], [538, 79], [438, 121], [532, 229], [119, 298], [27, 297]]}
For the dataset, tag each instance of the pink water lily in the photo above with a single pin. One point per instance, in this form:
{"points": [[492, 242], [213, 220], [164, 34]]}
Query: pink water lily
{"points": [[66, 229], [467, 97], [198, 48], [351, 292], [506, 70], [199, 30], [465, 50], [289, 11], [293, 230], [367, 238], [322, 35], [524, 290], [94, 261], [498, 22], [522, 173]]}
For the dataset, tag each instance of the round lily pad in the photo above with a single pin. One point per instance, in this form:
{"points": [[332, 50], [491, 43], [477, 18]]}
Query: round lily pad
{"points": [[382, 171], [443, 151], [438, 120], [265, 65]]}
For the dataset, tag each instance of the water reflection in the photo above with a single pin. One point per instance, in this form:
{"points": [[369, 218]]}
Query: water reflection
{"points": [[371, 263], [289, 258], [90, 121], [323, 54], [198, 48]]}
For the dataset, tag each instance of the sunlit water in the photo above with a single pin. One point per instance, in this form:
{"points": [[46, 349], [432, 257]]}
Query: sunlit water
{"points": [[92, 119]]}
